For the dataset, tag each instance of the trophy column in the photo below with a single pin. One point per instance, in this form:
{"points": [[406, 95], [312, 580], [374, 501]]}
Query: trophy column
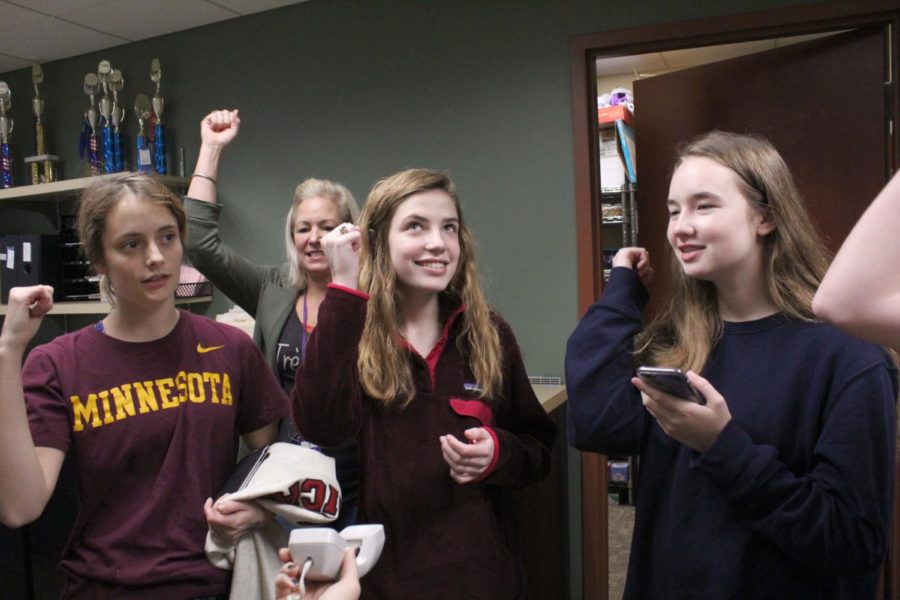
{"points": [[91, 85], [104, 70], [142, 112], [6, 126], [159, 130], [43, 165], [116, 83]]}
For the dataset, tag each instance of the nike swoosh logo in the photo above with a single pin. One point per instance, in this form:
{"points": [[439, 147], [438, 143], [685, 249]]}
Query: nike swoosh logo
{"points": [[201, 349]]}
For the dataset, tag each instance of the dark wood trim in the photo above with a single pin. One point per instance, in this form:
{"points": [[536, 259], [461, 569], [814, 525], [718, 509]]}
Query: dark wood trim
{"points": [[584, 150], [595, 518], [584, 50]]}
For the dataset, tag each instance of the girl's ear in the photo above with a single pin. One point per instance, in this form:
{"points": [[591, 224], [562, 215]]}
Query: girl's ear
{"points": [[767, 225], [99, 267]]}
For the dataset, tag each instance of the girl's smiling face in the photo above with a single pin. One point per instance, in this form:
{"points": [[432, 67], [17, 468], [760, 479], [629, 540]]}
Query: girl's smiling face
{"points": [[716, 234], [424, 242]]}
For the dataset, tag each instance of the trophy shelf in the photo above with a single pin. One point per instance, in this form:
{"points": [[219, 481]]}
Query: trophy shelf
{"points": [[49, 191], [97, 307]]}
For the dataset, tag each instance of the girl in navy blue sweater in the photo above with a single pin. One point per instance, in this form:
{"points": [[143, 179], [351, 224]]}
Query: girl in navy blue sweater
{"points": [[781, 485]]}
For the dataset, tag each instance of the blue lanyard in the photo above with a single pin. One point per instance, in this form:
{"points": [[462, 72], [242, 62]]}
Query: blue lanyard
{"points": [[304, 336]]}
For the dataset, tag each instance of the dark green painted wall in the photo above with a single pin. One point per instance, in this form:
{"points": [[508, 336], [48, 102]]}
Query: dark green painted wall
{"points": [[354, 90]]}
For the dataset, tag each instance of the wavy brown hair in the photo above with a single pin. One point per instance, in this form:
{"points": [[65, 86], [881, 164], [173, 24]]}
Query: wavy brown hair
{"points": [[795, 259], [384, 369], [101, 196]]}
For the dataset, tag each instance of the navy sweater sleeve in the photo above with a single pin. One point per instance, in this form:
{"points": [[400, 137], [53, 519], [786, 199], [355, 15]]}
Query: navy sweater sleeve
{"points": [[834, 514], [605, 413]]}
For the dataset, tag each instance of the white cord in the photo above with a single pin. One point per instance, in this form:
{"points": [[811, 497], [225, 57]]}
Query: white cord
{"points": [[303, 573], [302, 581]]}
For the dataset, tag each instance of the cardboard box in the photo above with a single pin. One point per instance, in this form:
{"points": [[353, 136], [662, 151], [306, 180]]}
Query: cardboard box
{"points": [[611, 114], [617, 157], [612, 169]]}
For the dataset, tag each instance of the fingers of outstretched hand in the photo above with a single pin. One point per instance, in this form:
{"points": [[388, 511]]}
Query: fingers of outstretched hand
{"points": [[345, 234], [26, 308], [341, 246], [219, 120], [632, 257], [37, 299]]}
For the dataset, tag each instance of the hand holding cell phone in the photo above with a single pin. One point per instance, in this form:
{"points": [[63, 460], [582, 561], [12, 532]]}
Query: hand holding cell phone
{"points": [[671, 381]]}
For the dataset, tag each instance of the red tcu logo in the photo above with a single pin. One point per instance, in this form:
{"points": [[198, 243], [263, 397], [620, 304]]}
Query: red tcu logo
{"points": [[312, 494]]}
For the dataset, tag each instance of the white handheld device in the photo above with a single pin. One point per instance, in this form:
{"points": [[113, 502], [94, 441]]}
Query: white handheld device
{"points": [[325, 549]]}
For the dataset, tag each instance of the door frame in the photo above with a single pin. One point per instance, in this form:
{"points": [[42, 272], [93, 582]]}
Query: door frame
{"points": [[584, 50]]}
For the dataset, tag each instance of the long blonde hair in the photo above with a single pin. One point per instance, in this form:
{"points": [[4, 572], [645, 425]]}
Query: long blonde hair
{"points": [[384, 369], [314, 188], [795, 259], [101, 196]]}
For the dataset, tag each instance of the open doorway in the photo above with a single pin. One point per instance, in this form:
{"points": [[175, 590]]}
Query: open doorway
{"points": [[736, 34]]}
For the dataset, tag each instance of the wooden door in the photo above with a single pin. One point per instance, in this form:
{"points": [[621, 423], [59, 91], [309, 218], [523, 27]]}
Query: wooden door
{"points": [[820, 103], [882, 16]]}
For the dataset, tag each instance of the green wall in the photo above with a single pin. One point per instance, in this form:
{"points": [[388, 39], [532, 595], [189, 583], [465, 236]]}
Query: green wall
{"points": [[354, 90]]}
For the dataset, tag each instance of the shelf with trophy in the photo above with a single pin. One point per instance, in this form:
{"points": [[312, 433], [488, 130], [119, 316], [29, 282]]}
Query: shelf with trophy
{"points": [[54, 255], [71, 187]]}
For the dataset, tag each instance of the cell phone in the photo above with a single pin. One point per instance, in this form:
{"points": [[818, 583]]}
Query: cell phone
{"points": [[672, 381]]}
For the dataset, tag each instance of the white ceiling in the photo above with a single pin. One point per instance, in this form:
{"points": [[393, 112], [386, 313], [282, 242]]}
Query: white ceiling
{"points": [[641, 65], [38, 31]]}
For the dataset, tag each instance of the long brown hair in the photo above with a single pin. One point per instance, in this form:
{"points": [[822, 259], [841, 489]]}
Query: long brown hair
{"points": [[795, 259], [102, 195], [384, 370]]}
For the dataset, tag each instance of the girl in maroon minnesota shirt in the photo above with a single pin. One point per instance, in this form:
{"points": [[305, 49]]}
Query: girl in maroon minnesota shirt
{"points": [[148, 401], [408, 358]]}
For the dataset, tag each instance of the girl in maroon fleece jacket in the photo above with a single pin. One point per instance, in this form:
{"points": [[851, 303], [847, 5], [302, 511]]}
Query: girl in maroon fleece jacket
{"points": [[408, 358]]}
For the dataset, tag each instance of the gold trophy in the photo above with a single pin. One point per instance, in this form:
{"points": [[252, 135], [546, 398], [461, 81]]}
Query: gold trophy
{"points": [[89, 133], [41, 158]]}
